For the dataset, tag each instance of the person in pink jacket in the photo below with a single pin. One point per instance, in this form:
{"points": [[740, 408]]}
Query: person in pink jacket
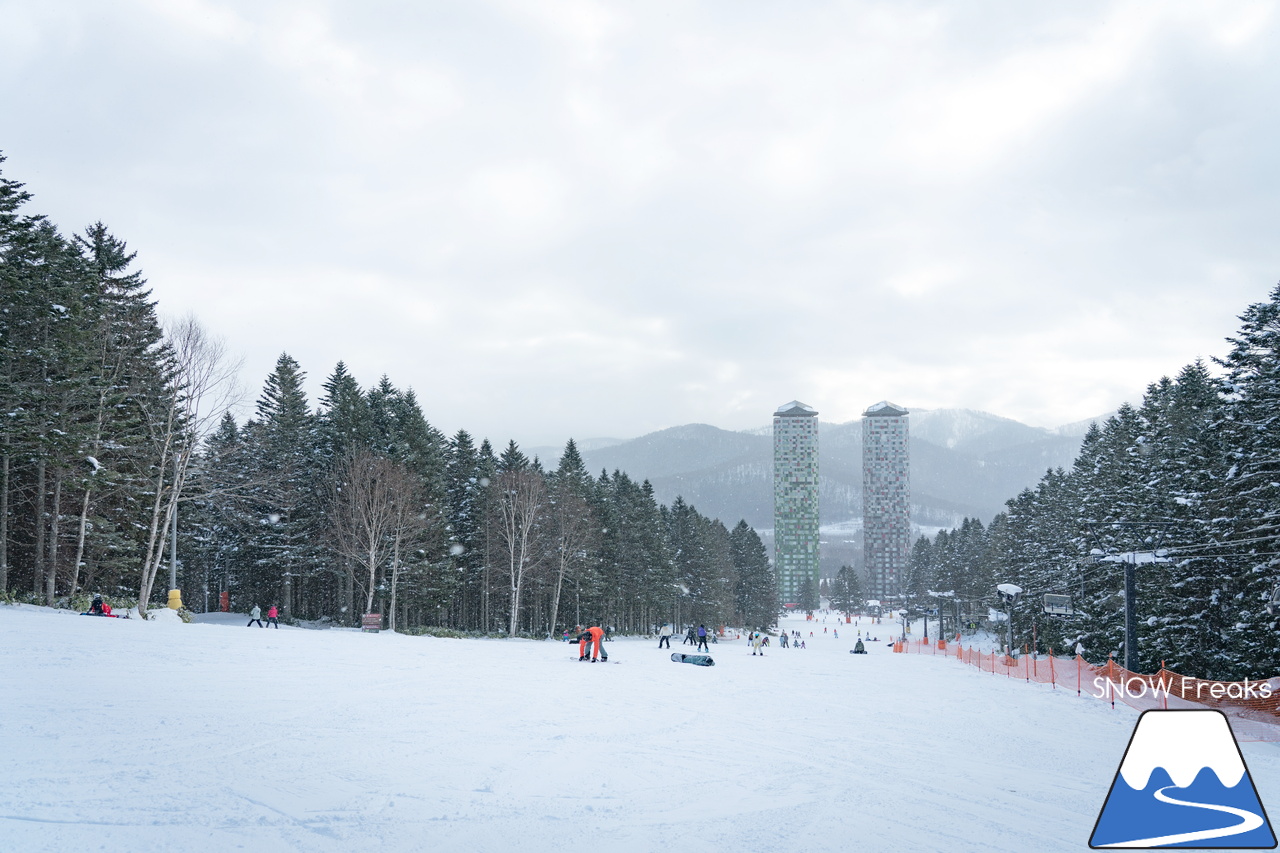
{"points": [[273, 616]]}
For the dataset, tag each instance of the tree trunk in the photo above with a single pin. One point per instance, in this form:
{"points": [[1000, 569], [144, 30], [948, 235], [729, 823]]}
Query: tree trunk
{"points": [[373, 576], [348, 591], [395, 579], [51, 575], [4, 519], [80, 537], [555, 598], [38, 573], [155, 543]]}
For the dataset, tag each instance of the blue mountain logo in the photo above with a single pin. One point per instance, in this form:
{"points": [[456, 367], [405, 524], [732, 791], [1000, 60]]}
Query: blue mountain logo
{"points": [[1183, 783]]}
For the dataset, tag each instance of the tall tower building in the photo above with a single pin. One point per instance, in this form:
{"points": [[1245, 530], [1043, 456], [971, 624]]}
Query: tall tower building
{"points": [[886, 498], [795, 499]]}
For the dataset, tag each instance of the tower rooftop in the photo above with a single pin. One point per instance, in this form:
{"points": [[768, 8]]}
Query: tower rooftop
{"points": [[795, 409], [885, 409]]}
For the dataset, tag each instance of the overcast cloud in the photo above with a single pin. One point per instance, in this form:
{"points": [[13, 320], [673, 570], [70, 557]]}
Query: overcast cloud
{"points": [[561, 218]]}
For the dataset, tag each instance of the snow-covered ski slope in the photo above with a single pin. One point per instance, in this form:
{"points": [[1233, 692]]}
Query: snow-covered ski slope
{"points": [[121, 735]]}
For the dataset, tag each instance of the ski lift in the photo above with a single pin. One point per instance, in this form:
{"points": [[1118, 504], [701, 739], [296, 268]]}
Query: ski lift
{"points": [[1008, 592], [1058, 605], [1273, 605]]}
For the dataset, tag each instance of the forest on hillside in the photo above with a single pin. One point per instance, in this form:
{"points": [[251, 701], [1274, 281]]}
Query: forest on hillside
{"points": [[1187, 484], [116, 431], [117, 444]]}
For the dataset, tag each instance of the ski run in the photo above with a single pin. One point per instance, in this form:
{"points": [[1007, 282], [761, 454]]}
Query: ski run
{"points": [[125, 735]]}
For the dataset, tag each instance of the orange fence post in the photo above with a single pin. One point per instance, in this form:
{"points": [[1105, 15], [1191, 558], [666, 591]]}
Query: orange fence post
{"points": [[1111, 671]]}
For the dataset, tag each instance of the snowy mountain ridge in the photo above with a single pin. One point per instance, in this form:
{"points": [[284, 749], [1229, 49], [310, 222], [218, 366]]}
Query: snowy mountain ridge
{"points": [[1183, 743], [952, 428]]}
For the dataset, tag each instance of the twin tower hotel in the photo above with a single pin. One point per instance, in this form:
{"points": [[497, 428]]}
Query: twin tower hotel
{"points": [[886, 502]]}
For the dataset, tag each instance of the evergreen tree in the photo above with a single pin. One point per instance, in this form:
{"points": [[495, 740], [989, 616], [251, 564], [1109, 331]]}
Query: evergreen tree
{"points": [[1247, 508], [756, 593], [284, 452], [809, 600], [846, 589]]}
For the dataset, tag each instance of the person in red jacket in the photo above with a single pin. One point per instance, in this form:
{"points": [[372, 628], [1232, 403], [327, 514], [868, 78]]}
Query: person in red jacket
{"points": [[273, 616]]}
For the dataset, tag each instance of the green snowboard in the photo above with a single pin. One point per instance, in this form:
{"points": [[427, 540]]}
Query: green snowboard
{"points": [[696, 660]]}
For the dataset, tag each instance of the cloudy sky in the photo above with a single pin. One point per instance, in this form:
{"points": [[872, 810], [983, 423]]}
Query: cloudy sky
{"points": [[563, 217]]}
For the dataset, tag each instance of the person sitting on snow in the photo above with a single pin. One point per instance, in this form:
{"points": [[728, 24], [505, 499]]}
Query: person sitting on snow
{"points": [[95, 609]]}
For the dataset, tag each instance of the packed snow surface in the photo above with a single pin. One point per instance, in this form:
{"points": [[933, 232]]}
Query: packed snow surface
{"points": [[129, 735]]}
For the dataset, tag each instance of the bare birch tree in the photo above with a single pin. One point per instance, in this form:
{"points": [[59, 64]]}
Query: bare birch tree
{"points": [[573, 534], [519, 500], [363, 512], [202, 387], [409, 523]]}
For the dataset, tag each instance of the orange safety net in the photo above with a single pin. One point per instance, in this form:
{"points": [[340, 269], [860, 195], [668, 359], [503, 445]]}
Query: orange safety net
{"points": [[1253, 707]]}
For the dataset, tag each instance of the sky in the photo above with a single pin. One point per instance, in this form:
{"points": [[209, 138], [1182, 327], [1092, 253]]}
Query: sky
{"points": [[567, 218]]}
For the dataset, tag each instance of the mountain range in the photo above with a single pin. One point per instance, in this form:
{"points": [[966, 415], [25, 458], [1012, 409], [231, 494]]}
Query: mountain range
{"points": [[964, 463]]}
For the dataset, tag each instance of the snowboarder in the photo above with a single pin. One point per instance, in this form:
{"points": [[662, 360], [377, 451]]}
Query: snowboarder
{"points": [[255, 615], [756, 642], [273, 617], [859, 649], [688, 637], [593, 635], [702, 638], [96, 607], [664, 635]]}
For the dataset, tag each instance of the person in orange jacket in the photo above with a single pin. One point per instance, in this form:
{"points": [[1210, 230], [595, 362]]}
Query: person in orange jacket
{"points": [[594, 634]]}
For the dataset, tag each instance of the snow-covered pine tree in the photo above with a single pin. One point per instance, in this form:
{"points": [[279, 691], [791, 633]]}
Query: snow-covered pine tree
{"points": [[756, 593], [466, 485], [1247, 505], [846, 587], [286, 496]]}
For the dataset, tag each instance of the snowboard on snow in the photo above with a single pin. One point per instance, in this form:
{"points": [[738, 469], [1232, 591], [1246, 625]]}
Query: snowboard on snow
{"points": [[696, 660]]}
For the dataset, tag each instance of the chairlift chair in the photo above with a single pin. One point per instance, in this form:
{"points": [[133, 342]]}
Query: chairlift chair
{"points": [[1058, 605]]}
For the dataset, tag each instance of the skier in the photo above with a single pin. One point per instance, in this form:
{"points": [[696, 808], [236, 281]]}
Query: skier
{"points": [[255, 615], [782, 639], [664, 635], [273, 617], [688, 637], [702, 638]]}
